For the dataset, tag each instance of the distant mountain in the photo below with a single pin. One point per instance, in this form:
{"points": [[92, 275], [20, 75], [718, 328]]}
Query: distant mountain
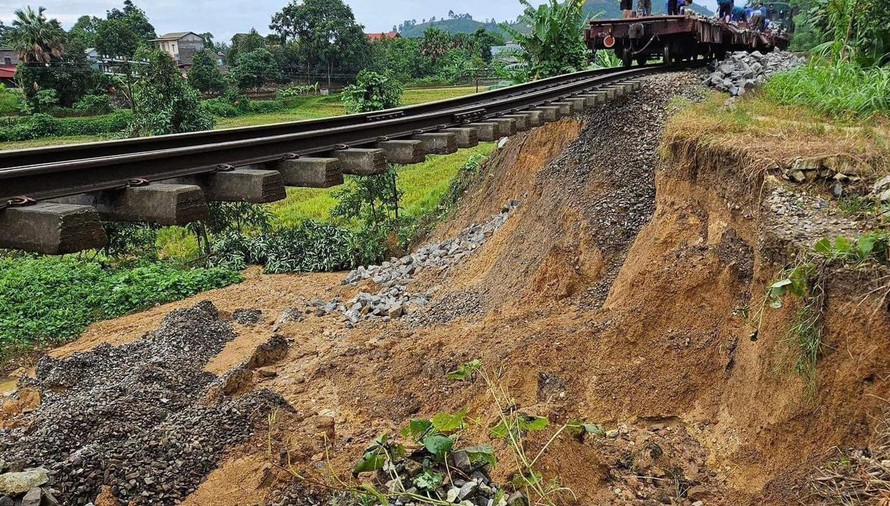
{"points": [[452, 26], [463, 23]]}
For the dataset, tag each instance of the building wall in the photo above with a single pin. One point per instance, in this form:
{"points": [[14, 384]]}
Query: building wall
{"points": [[8, 57]]}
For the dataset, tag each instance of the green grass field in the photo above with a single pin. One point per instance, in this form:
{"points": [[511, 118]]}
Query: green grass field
{"points": [[308, 108]]}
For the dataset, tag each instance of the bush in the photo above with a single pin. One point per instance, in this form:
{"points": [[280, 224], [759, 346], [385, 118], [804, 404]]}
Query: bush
{"points": [[42, 125], [221, 107], [834, 88], [309, 247], [372, 92], [12, 102], [51, 299], [94, 105]]}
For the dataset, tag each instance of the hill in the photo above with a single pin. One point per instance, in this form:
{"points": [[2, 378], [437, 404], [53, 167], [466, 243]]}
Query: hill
{"points": [[464, 23]]}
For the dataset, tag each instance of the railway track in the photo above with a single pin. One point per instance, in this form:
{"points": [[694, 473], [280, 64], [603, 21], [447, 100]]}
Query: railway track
{"points": [[52, 200]]}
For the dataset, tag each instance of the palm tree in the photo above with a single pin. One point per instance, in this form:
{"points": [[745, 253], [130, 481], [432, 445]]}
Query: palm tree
{"points": [[37, 39]]}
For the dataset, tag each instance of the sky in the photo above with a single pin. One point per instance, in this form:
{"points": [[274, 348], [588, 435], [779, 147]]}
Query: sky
{"points": [[224, 18]]}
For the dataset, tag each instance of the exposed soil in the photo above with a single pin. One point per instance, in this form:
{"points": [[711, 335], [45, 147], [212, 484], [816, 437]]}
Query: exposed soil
{"points": [[621, 291]]}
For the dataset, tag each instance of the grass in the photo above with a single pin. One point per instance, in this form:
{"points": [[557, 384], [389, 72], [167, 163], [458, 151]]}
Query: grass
{"points": [[308, 108], [766, 134], [49, 141], [424, 185], [835, 89]]}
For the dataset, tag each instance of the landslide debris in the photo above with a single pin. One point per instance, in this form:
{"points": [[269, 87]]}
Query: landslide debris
{"points": [[741, 71], [135, 417]]}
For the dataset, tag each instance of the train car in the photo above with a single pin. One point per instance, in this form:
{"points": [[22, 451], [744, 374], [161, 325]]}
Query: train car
{"points": [[688, 37]]}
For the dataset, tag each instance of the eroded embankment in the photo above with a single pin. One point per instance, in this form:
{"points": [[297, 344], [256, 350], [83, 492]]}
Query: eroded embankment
{"points": [[620, 291]]}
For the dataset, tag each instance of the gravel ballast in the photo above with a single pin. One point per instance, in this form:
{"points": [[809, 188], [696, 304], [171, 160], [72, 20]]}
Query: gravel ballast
{"points": [[136, 417]]}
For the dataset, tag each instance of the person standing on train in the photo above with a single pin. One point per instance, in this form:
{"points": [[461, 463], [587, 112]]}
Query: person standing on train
{"points": [[725, 9], [673, 9], [626, 8], [644, 7]]}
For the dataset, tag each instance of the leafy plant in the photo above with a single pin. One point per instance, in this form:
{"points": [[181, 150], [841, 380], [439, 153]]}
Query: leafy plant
{"points": [[372, 92], [164, 103], [556, 43], [50, 299], [806, 281]]}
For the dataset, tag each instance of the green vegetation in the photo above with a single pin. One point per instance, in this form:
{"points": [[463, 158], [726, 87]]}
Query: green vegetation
{"points": [[806, 281], [43, 126], [372, 92], [45, 300], [163, 102], [848, 75], [834, 88], [556, 43]]}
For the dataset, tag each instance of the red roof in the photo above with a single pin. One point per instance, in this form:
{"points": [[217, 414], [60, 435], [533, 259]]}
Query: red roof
{"points": [[7, 72], [375, 37]]}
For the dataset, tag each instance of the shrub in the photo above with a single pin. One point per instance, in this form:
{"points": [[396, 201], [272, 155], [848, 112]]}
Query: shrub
{"points": [[50, 299], [221, 107], [94, 105], [12, 102], [372, 92], [42, 125], [309, 247]]}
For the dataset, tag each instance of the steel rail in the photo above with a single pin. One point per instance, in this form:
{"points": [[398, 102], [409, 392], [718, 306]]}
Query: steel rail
{"points": [[191, 155], [36, 156]]}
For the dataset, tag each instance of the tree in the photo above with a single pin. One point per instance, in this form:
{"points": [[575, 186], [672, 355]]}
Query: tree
{"points": [[208, 40], [556, 43], [84, 31], [70, 76], [256, 68], [326, 32], [4, 33], [205, 75], [435, 43], [137, 21], [164, 102], [854, 30], [372, 92], [245, 43], [117, 38], [35, 38]]}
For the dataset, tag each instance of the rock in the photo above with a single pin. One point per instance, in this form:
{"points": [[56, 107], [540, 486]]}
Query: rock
{"points": [[838, 189], [885, 197], [268, 353], [452, 494], [6, 501], [33, 497], [19, 483], [467, 489], [517, 499], [503, 142], [461, 460], [881, 184], [247, 316]]}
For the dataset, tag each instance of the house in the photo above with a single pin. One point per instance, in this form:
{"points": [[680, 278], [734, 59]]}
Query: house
{"points": [[377, 37], [8, 57], [182, 46]]}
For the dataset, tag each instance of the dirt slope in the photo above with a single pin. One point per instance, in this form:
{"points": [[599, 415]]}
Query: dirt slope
{"points": [[619, 292]]}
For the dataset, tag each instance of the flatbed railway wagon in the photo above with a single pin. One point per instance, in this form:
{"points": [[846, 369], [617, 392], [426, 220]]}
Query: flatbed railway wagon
{"points": [[677, 38]]}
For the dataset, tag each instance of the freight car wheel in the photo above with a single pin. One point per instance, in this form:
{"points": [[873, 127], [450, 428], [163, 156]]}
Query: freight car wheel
{"points": [[627, 57], [666, 54]]}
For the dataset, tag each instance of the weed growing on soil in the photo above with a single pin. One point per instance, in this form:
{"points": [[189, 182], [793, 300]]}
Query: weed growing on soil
{"points": [[806, 281], [512, 426], [860, 476]]}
